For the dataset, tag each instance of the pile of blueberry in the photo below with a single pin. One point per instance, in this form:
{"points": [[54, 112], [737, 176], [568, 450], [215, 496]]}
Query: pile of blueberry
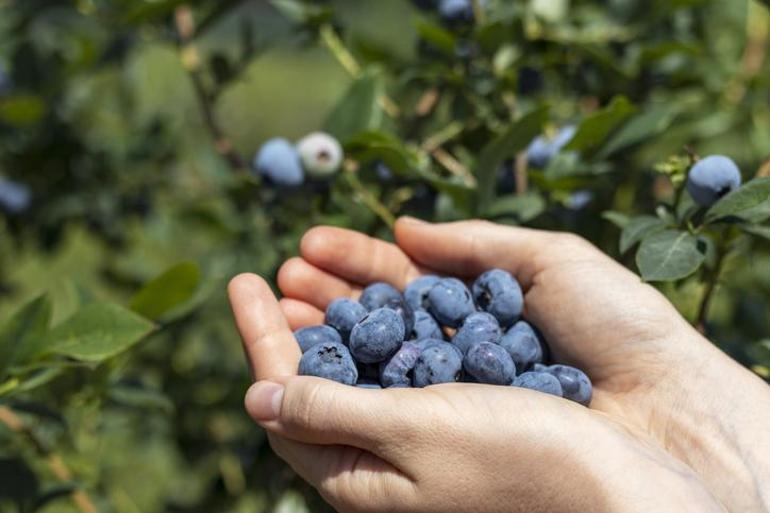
{"points": [[317, 155], [437, 331]]}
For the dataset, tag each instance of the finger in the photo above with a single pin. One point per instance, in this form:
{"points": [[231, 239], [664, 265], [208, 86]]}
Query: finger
{"points": [[301, 280], [269, 343], [468, 248], [357, 257], [350, 479], [322, 412], [300, 314]]}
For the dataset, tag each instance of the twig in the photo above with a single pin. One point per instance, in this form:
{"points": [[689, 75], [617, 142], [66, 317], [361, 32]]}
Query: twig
{"points": [[191, 61], [332, 41], [521, 173], [711, 286], [454, 166], [57, 466], [366, 196]]}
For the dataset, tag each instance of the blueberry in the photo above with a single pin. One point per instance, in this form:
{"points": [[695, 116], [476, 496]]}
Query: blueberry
{"points": [[377, 336], [712, 178], [456, 12], [477, 327], [579, 200], [539, 367], [425, 326], [15, 197], [342, 314], [574, 382], [439, 362], [416, 293], [450, 302], [540, 381], [397, 372], [279, 162], [312, 335], [399, 306], [330, 361], [383, 172], [321, 154], [377, 295], [542, 149], [523, 344], [489, 363], [498, 293]]}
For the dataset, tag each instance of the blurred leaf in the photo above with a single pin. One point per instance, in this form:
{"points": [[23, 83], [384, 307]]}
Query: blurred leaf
{"points": [[21, 110], [167, 291], [96, 332], [619, 219], [141, 398], [597, 127], [524, 208], [759, 231], [637, 229], [669, 255], [750, 202], [359, 110], [368, 147], [437, 37], [21, 335], [654, 120], [504, 147]]}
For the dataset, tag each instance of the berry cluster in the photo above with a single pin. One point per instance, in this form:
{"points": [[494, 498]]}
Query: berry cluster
{"points": [[317, 155], [437, 331]]}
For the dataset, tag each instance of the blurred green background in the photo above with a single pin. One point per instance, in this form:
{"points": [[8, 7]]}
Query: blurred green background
{"points": [[127, 127]]}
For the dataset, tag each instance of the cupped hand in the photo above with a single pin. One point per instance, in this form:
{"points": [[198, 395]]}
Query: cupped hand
{"points": [[407, 450]]}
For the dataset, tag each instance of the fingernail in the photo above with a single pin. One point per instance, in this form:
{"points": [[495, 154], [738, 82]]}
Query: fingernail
{"points": [[412, 220], [263, 400]]}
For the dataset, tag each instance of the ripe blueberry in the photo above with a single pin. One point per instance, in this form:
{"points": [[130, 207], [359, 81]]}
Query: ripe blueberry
{"points": [[523, 344], [342, 314], [312, 335], [15, 197], [377, 336], [439, 362], [489, 363], [330, 361], [397, 372], [450, 302], [542, 149], [498, 293], [278, 161], [425, 326], [477, 327], [321, 154], [540, 381], [574, 383], [416, 293], [456, 12], [712, 178], [377, 294]]}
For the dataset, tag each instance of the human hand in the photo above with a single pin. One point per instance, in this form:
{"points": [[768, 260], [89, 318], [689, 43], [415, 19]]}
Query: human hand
{"points": [[380, 469], [651, 370]]}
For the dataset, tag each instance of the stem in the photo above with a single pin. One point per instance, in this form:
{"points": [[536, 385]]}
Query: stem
{"points": [[332, 41], [366, 196], [55, 463], [711, 286], [192, 63]]}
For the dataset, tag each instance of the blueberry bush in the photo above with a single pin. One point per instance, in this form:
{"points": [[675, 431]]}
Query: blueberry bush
{"points": [[132, 188]]}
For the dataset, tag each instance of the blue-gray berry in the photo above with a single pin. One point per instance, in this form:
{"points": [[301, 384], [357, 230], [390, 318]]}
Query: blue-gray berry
{"points": [[342, 314], [312, 335], [498, 293], [489, 363], [331, 361], [523, 344], [450, 302], [439, 362], [540, 381], [377, 336]]}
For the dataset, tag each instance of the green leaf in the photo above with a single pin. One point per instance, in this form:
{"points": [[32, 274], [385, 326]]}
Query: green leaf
{"points": [[369, 147], [436, 36], [22, 333], [167, 291], [759, 231], [524, 208], [594, 131], [751, 203], [96, 332], [359, 109], [654, 120], [669, 255], [619, 219], [637, 229], [507, 145]]}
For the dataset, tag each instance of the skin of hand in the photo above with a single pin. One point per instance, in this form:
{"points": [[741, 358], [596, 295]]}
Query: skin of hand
{"points": [[657, 388]]}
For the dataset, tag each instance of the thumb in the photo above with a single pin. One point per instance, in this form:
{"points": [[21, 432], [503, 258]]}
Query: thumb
{"points": [[322, 412]]}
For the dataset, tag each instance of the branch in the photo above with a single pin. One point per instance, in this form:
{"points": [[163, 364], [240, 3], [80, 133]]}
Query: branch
{"points": [[57, 466], [191, 61]]}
